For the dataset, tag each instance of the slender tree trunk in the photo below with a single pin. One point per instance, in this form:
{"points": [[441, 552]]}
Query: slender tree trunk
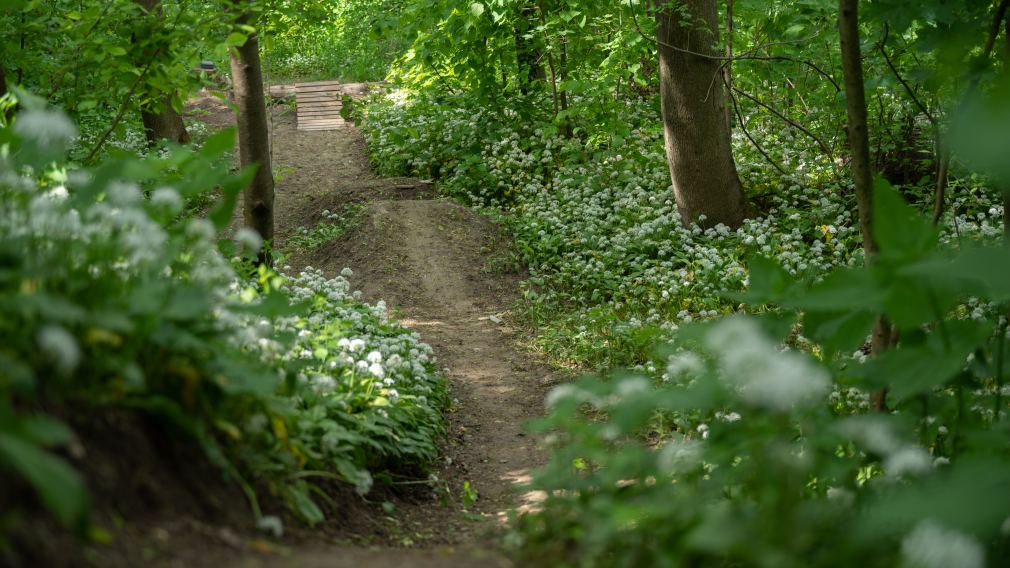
{"points": [[253, 135], [728, 68], [527, 53], [3, 91], [1006, 74], [859, 145], [859, 138], [566, 125], [705, 181], [165, 123]]}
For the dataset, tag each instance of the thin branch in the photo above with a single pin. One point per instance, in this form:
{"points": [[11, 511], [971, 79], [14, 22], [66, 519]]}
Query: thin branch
{"points": [[747, 56], [122, 110], [790, 121], [743, 128], [897, 75]]}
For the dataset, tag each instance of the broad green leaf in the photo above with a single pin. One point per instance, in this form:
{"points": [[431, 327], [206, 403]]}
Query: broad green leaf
{"points": [[59, 486], [843, 331], [299, 498], [917, 369], [767, 282], [236, 39], [843, 290], [476, 9], [901, 232]]}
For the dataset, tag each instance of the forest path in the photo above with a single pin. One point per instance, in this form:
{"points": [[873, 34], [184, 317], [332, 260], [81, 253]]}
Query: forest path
{"points": [[427, 259]]}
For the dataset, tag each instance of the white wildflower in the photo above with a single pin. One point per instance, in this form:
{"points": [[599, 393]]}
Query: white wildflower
{"points": [[60, 346], [931, 545], [764, 376]]}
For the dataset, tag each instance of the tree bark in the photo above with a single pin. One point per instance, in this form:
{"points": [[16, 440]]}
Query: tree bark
{"points": [[859, 138], [728, 68], [528, 55], [165, 123], [883, 335], [1006, 73], [253, 135], [3, 91], [693, 103]]}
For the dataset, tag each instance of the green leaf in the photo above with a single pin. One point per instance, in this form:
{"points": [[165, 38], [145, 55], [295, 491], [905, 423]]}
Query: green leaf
{"points": [[43, 431], [767, 282], [476, 9], [843, 290], [300, 501], [916, 369], [236, 39], [59, 486], [973, 496], [901, 232], [219, 143], [838, 331]]}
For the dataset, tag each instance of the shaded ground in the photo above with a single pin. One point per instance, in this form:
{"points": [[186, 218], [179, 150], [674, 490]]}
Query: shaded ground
{"points": [[428, 259]]}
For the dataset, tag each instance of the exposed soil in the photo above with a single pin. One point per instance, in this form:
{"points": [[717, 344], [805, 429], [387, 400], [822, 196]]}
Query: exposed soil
{"points": [[428, 259]]}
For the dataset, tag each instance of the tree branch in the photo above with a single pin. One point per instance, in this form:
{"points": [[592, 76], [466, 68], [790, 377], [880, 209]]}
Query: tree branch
{"points": [[788, 120]]}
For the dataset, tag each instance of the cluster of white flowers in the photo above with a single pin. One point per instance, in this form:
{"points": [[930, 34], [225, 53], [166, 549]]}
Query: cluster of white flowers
{"points": [[932, 545], [371, 349], [876, 435], [762, 374]]}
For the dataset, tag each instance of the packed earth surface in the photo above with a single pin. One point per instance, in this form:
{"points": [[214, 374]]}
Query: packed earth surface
{"points": [[428, 259]]}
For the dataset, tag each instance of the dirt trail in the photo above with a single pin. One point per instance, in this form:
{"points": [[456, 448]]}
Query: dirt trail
{"points": [[427, 258]]}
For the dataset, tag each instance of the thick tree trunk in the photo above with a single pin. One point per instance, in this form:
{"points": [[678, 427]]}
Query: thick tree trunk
{"points": [[859, 144], [693, 101], [164, 124], [254, 137]]}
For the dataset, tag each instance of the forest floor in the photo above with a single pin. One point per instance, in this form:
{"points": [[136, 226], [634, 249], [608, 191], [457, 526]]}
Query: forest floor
{"points": [[434, 264]]}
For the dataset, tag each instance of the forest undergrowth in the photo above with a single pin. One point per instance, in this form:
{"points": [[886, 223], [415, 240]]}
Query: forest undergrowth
{"points": [[773, 452]]}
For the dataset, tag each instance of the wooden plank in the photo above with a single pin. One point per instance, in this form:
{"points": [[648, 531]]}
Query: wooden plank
{"points": [[320, 128], [323, 89], [317, 98], [321, 104], [320, 107], [317, 83], [316, 110], [319, 115], [321, 122], [309, 119]]}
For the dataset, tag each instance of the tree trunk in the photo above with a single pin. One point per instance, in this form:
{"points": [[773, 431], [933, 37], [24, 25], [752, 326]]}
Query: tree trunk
{"points": [[859, 138], [1006, 73], [859, 144], [3, 91], [253, 136], [164, 124], [728, 69], [528, 55], [693, 103]]}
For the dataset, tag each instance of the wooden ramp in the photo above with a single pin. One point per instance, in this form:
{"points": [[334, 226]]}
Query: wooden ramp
{"points": [[318, 105]]}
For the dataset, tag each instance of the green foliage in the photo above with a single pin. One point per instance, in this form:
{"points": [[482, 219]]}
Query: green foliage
{"points": [[111, 299], [325, 232], [349, 41], [737, 458]]}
